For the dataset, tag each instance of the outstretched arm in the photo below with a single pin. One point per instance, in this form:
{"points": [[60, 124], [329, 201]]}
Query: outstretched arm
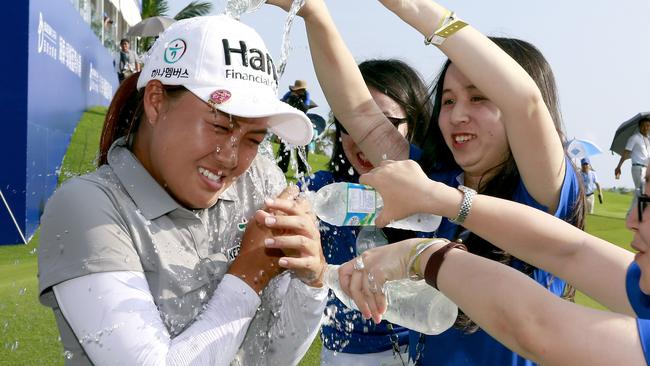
{"points": [[344, 88], [592, 265], [530, 129], [539, 325]]}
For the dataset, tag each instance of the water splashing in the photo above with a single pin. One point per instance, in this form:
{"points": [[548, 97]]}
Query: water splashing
{"points": [[236, 8], [295, 7]]}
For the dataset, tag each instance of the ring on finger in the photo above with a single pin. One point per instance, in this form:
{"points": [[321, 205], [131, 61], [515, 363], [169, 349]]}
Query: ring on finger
{"points": [[358, 264]]}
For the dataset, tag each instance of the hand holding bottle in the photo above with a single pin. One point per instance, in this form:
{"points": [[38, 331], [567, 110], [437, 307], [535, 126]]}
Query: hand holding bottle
{"points": [[364, 283], [405, 190]]}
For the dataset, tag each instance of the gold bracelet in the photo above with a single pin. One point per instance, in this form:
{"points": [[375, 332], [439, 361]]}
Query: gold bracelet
{"points": [[413, 267], [450, 25]]}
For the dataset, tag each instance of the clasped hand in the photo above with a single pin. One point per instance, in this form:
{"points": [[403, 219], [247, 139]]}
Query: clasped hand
{"points": [[295, 231]]}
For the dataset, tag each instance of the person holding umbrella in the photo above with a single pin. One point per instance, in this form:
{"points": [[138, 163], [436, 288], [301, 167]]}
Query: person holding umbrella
{"points": [[591, 184], [636, 149]]}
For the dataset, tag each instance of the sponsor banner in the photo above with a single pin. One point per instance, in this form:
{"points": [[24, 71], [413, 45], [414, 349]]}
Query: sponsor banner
{"points": [[68, 70]]}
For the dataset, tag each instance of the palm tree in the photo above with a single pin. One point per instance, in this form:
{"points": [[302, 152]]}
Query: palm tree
{"points": [[152, 8]]}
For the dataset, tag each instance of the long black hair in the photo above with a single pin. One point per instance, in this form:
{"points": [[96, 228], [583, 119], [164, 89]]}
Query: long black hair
{"points": [[504, 178], [403, 84]]}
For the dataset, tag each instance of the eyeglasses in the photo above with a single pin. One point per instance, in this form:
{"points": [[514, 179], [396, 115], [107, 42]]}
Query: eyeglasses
{"points": [[641, 204], [394, 120]]}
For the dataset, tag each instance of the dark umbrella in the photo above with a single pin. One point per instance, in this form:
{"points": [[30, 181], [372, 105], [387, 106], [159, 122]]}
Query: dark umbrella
{"points": [[150, 27], [624, 131], [318, 121]]}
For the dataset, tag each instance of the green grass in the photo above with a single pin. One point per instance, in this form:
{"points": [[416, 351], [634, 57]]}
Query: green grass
{"points": [[28, 333]]}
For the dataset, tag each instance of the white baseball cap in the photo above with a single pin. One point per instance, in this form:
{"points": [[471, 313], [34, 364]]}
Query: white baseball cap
{"points": [[225, 63]]}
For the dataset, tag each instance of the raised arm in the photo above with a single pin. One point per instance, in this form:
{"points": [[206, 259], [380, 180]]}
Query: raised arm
{"points": [[530, 129], [592, 265], [344, 88]]}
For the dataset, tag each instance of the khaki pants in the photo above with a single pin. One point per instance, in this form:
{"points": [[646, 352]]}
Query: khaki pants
{"points": [[589, 204]]}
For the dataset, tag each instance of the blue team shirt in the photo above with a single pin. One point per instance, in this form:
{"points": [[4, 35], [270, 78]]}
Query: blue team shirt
{"points": [[344, 329], [641, 304], [454, 347]]}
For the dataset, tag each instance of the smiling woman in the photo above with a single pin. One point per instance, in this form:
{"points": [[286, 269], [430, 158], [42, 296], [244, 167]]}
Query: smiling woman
{"points": [[159, 256], [495, 129]]}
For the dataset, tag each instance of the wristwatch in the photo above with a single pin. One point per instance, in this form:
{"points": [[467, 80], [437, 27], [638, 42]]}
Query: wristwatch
{"points": [[465, 205]]}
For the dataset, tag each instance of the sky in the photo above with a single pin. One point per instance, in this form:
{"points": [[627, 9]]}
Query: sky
{"points": [[599, 51]]}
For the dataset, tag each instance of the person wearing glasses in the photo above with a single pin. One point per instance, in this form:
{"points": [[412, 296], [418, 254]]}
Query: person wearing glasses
{"points": [[495, 129], [347, 338], [539, 326]]}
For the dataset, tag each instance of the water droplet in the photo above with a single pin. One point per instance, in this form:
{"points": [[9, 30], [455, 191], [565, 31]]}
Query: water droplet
{"points": [[68, 355], [351, 171], [22, 291]]}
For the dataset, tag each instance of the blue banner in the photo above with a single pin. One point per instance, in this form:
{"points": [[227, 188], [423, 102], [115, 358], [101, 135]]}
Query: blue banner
{"points": [[67, 70]]}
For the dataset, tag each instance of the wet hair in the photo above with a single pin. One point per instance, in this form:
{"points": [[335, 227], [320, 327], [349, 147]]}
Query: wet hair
{"points": [[125, 113], [505, 176], [403, 84]]}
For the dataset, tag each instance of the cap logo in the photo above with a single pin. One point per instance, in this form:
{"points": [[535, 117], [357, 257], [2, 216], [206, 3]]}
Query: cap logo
{"points": [[219, 97], [175, 50]]}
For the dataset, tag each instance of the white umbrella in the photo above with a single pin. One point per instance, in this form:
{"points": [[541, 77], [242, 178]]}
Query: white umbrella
{"points": [[579, 148], [150, 27]]}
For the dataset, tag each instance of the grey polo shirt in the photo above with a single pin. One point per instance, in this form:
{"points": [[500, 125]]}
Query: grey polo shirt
{"points": [[119, 218]]}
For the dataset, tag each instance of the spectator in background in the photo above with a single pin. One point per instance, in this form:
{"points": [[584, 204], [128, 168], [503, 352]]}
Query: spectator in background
{"points": [[129, 61], [637, 150], [299, 98], [591, 184]]}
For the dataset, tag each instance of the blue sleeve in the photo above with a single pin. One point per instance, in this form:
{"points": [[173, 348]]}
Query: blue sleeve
{"points": [[307, 100], [569, 193], [415, 153], [644, 335], [285, 96], [640, 302]]}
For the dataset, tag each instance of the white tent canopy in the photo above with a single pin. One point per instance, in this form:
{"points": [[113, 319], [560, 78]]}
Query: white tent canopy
{"points": [[129, 9]]}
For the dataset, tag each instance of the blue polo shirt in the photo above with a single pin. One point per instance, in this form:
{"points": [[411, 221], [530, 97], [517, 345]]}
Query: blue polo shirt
{"points": [[454, 347], [641, 304]]}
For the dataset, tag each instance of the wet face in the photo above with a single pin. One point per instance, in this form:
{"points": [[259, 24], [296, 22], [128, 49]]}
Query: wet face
{"points": [[471, 125], [641, 240], [644, 128], [196, 152], [393, 111]]}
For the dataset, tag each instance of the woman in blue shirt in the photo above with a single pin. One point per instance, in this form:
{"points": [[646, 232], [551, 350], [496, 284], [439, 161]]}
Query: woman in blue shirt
{"points": [[538, 325], [496, 129], [347, 337]]}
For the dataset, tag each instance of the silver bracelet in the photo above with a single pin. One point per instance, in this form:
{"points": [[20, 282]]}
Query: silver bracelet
{"points": [[465, 205]]}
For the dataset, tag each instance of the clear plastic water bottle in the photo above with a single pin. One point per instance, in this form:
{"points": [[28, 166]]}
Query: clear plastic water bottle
{"points": [[411, 304], [235, 8], [350, 204], [370, 237]]}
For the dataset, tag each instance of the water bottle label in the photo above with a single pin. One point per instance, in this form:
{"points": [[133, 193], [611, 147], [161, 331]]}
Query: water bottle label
{"points": [[362, 203]]}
